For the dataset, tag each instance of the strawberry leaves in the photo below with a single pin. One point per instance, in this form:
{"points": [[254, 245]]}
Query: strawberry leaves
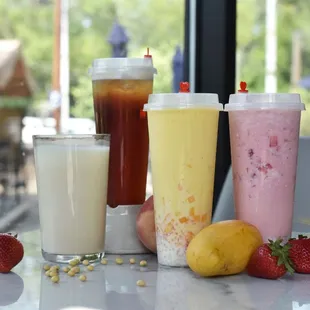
{"points": [[270, 261], [282, 252]]}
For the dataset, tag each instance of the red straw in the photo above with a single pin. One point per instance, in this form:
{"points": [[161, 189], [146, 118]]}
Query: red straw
{"points": [[243, 86], [184, 87], [148, 55]]}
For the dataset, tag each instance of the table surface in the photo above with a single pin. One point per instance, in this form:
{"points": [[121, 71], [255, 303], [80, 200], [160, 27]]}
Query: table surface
{"points": [[113, 287]]}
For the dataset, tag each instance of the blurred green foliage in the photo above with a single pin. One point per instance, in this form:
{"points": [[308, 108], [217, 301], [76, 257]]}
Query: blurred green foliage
{"points": [[156, 24], [159, 25], [14, 102]]}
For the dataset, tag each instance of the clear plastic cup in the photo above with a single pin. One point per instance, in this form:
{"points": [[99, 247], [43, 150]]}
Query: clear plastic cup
{"points": [[120, 88], [183, 137], [264, 135], [72, 179]]}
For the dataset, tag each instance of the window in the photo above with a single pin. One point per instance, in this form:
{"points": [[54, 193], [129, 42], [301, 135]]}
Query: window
{"points": [[34, 70]]}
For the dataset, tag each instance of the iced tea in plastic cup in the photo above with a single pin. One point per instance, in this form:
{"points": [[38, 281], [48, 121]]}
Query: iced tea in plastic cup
{"points": [[183, 137], [120, 89], [264, 135]]}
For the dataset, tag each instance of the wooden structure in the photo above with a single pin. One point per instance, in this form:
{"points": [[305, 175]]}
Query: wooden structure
{"points": [[16, 90], [15, 79]]}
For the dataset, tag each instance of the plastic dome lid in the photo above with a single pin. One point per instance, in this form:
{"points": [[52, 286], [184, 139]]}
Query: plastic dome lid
{"points": [[183, 100], [262, 101], [123, 68]]}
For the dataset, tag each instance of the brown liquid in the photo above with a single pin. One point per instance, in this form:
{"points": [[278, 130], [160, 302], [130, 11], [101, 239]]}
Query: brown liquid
{"points": [[118, 106]]}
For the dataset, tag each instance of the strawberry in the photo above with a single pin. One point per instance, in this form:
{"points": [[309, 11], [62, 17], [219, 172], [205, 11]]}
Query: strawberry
{"points": [[270, 261], [299, 254], [11, 252]]}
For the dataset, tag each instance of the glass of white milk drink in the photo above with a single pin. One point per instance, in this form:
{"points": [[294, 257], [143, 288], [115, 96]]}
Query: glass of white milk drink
{"points": [[72, 178]]}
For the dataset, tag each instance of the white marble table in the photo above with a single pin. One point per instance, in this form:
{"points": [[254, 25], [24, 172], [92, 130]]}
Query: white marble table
{"points": [[113, 287]]}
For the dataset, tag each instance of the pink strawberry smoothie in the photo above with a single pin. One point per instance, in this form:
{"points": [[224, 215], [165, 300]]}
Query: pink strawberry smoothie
{"points": [[264, 146]]}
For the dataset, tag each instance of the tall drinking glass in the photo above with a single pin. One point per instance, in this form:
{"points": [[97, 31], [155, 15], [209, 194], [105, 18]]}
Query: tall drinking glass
{"points": [[264, 135], [120, 88], [183, 134], [72, 178]]}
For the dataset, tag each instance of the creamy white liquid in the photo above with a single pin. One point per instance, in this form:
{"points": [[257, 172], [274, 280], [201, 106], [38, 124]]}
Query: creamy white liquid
{"points": [[72, 192]]}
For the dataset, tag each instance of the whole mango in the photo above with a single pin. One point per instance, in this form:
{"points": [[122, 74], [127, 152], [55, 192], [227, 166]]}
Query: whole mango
{"points": [[223, 248]]}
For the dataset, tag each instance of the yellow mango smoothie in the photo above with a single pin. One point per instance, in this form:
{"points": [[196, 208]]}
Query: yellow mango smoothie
{"points": [[183, 136]]}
